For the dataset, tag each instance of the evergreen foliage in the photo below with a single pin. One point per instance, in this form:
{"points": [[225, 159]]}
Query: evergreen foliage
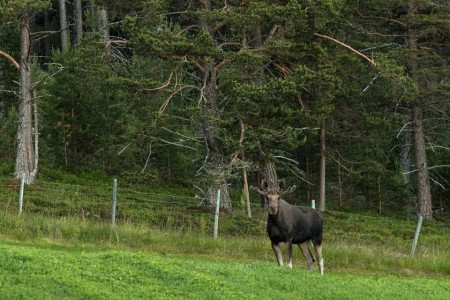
{"points": [[164, 98]]}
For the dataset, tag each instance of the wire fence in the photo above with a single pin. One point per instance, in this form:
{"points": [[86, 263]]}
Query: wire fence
{"points": [[95, 203]]}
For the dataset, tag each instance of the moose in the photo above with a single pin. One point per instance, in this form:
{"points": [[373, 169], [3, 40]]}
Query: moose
{"points": [[291, 224]]}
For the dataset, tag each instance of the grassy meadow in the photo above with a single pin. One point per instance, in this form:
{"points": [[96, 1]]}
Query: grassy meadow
{"points": [[63, 247], [49, 271]]}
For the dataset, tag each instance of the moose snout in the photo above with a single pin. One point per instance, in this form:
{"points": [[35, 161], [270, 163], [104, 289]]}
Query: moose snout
{"points": [[273, 209]]}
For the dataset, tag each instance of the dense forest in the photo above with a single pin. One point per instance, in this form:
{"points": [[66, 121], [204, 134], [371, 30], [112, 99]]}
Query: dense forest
{"points": [[350, 100]]}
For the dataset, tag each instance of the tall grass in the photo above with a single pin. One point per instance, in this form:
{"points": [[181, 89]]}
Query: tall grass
{"points": [[178, 223], [343, 252]]}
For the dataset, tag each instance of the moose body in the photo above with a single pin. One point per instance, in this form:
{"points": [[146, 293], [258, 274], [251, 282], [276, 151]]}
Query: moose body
{"points": [[291, 224], [295, 225]]}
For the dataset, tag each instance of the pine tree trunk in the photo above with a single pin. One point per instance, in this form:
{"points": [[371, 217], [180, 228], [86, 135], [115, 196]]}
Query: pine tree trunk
{"points": [[25, 159], [405, 156], [63, 25], [424, 203], [215, 165], [341, 200], [225, 203], [269, 174], [244, 171], [247, 194], [78, 22], [104, 23], [322, 169], [215, 169]]}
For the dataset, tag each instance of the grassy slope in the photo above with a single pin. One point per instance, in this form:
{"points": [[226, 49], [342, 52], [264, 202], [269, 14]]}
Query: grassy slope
{"points": [[352, 243], [163, 246], [50, 272]]}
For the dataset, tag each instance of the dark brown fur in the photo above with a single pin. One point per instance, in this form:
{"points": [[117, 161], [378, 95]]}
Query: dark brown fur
{"points": [[291, 225]]}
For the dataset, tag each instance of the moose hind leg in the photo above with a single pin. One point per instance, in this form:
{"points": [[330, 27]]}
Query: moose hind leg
{"points": [[318, 248], [276, 248], [307, 254]]}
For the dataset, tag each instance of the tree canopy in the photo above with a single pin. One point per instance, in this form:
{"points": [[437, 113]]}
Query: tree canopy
{"points": [[194, 92]]}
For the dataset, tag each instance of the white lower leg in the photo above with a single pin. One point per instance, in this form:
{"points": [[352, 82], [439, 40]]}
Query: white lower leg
{"points": [[319, 257], [321, 265]]}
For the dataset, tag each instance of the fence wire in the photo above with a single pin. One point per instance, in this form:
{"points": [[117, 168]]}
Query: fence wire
{"points": [[94, 202], [90, 202]]}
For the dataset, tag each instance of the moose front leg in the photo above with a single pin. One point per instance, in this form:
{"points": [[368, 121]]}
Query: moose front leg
{"points": [[289, 253], [278, 255]]}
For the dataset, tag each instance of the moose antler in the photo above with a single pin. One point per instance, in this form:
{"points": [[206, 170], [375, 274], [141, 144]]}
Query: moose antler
{"points": [[282, 184], [265, 190], [288, 190], [263, 193]]}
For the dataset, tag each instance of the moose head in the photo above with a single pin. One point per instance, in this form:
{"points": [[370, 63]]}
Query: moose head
{"points": [[272, 190]]}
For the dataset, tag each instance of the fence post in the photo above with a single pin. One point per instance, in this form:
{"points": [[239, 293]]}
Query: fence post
{"points": [[114, 199], [216, 216], [416, 235], [22, 186], [313, 203]]}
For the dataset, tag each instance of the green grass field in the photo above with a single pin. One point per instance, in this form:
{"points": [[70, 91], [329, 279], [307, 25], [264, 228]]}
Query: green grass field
{"points": [[63, 247], [49, 271]]}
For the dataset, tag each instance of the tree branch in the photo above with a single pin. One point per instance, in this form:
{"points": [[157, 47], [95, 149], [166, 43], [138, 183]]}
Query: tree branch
{"points": [[186, 29], [10, 58], [177, 144], [346, 46], [230, 44], [109, 42], [241, 139], [283, 69], [273, 30], [195, 139], [164, 85], [60, 69], [381, 18], [219, 25], [167, 101]]}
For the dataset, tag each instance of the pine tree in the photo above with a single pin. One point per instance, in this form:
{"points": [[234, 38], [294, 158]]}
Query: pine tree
{"points": [[27, 151], [421, 30]]}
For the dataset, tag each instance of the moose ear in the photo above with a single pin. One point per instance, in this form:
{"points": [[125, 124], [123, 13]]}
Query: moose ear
{"points": [[281, 184], [264, 184]]}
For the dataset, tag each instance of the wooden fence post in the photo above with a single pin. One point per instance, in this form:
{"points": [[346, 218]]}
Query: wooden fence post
{"points": [[114, 200], [216, 216]]}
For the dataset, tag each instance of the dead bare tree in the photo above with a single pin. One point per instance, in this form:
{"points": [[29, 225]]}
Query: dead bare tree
{"points": [[27, 156]]}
